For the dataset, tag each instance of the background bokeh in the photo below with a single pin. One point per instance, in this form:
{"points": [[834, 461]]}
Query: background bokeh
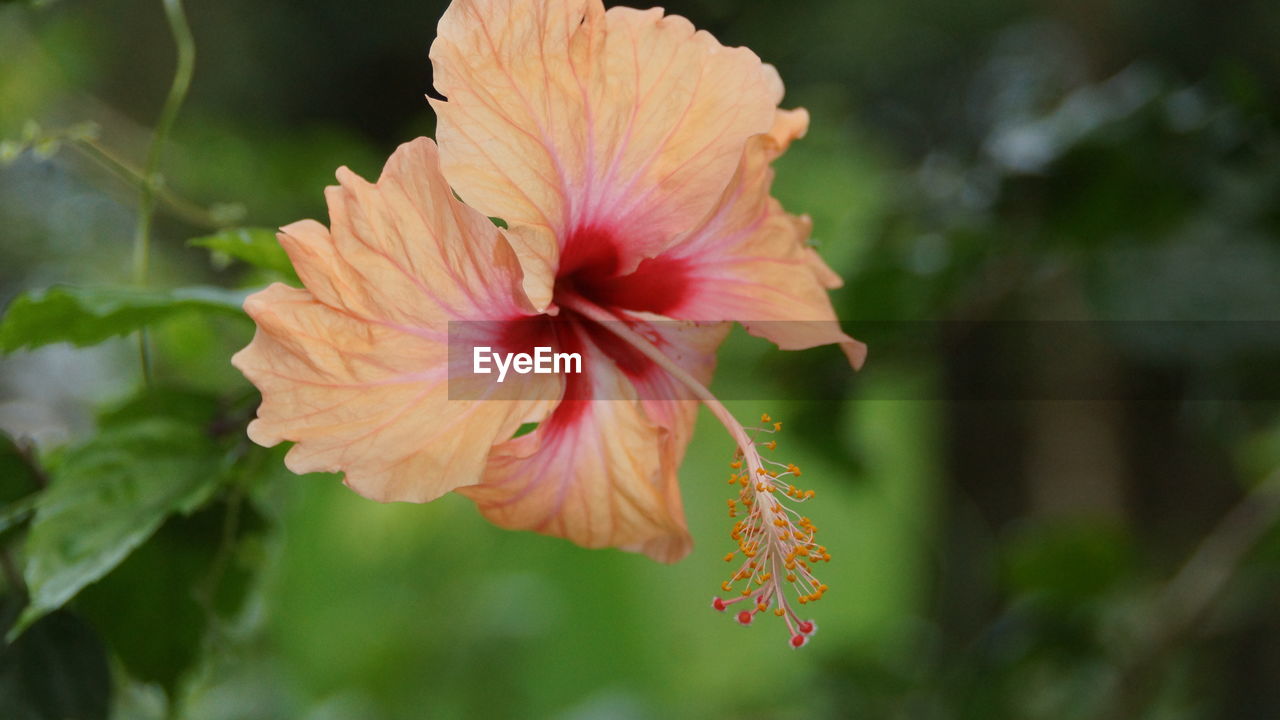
{"points": [[1050, 494]]}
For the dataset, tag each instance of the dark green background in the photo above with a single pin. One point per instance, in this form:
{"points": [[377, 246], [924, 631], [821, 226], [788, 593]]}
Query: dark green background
{"points": [[1006, 509]]}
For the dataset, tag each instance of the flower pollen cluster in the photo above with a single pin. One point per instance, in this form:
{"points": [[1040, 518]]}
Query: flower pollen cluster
{"points": [[776, 542]]}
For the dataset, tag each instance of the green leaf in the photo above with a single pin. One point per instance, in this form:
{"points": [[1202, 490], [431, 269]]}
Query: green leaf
{"points": [[16, 512], [191, 407], [108, 496], [87, 316], [19, 486], [18, 478], [255, 246], [168, 583], [58, 669]]}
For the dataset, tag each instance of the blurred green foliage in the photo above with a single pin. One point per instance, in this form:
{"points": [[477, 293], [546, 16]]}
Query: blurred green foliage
{"points": [[1075, 521]]}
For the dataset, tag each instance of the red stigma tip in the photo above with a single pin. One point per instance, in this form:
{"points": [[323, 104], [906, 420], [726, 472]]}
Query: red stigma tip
{"points": [[806, 627], [798, 641], [744, 617], [718, 604]]}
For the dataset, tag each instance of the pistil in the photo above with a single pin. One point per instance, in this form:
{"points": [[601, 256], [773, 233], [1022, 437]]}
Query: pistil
{"points": [[776, 542]]}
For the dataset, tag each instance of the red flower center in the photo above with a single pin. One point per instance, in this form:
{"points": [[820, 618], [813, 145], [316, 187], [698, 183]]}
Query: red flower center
{"points": [[590, 265], [591, 268]]}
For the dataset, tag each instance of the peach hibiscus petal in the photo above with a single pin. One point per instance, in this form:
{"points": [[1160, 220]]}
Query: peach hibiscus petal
{"points": [[405, 251], [693, 348], [539, 256], [789, 125], [749, 261], [602, 470], [354, 368], [560, 114]]}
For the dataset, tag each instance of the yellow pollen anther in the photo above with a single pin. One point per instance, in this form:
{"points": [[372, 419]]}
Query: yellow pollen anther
{"points": [[764, 497]]}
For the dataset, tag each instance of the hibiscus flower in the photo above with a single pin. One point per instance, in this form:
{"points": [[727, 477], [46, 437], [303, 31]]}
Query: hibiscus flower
{"points": [[630, 159]]}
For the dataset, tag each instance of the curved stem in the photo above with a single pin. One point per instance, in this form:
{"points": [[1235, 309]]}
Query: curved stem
{"points": [[182, 38]]}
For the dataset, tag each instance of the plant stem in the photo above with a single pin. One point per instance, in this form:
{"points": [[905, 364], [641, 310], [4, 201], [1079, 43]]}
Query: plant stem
{"points": [[1185, 601], [180, 207], [181, 32]]}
